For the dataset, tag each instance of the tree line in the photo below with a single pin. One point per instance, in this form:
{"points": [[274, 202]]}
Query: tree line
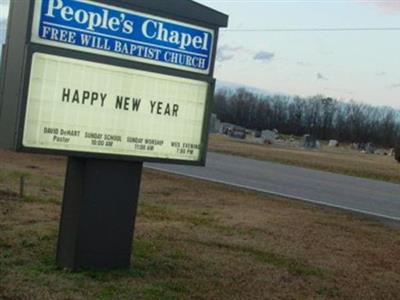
{"points": [[324, 117]]}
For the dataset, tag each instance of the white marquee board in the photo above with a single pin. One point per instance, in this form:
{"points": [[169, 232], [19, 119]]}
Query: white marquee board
{"points": [[83, 106]]}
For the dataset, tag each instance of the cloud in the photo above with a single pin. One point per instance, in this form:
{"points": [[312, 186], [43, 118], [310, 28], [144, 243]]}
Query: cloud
{"points": [[222, 56], [389, 6], [395, 86], [226, 52], [321, 77], [381, 74], [304, 64], [264, 56]]}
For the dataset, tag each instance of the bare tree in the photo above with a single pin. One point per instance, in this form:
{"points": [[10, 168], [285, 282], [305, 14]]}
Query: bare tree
{"points": [[324, 117]]}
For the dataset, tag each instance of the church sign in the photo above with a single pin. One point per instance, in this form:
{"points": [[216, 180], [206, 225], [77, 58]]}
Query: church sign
{"points": [[111, 84], [121, 79]]}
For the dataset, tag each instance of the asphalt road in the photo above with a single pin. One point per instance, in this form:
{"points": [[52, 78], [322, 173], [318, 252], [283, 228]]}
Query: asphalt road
{"points": [[372, 197]]}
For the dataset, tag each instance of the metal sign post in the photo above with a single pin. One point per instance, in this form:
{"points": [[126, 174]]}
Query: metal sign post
{"points": [[98, 213], [110, 84]]}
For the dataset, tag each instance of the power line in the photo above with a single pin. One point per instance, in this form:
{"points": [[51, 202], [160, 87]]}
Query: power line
{"points": [[299, 1], [311, 29]]}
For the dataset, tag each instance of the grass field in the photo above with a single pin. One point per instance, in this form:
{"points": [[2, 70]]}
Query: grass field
{"points": [[196, 240], [337, 160]]}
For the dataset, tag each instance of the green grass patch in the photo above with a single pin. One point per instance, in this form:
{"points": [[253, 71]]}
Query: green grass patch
{"points": [[41, 199], [293, 266], [169, 290], [10, 175]]}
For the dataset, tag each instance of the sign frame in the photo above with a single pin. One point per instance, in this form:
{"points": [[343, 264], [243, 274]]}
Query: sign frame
{"points": [[28, 7], [22, 148]]}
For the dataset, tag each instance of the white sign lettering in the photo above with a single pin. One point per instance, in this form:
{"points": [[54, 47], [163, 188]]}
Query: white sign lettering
{"points": [[101, 29]]}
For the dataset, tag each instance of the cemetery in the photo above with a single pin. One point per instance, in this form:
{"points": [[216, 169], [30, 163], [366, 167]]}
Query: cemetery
{"points": [[306, 142]]}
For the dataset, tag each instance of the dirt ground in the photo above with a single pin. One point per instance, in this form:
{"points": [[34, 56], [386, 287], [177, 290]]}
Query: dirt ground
{"points": [[338, 160], [196, 240]]}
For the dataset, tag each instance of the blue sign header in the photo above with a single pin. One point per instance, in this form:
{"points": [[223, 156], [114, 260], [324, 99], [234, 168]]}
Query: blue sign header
{"points": [[102, 29]]}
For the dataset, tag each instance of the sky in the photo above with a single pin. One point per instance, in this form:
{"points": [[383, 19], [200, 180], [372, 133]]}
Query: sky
{"points": [[360, 65]]}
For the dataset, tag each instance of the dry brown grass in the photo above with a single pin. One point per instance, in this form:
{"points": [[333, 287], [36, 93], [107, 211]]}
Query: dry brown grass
{"points": [[343, 161], [196, 240]]}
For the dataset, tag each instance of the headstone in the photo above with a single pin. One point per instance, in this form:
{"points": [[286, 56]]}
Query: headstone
{"points": [[269, 136], [333, 143], [309, 141], [238, 132], [215, 124], [370, 148], [226, 128], [361, 147]]}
